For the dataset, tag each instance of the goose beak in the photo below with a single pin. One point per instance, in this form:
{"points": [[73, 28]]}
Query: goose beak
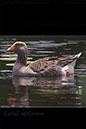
{"points": [[12, 48]]}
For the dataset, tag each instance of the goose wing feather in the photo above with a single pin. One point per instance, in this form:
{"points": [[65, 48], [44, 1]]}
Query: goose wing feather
{"points": [[66, 60], [43, 63]]}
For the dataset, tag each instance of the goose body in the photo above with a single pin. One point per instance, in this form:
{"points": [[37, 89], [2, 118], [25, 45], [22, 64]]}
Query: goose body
{"points": [[48, 66]]}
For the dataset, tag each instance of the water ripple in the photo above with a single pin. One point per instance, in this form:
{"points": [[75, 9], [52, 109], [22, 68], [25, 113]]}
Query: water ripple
{"points": [[5, 71], [5, 74], [45, 51], [7, 42]]}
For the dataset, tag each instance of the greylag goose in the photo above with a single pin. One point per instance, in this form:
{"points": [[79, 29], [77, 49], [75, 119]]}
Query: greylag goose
{"points": [[48, 66]]}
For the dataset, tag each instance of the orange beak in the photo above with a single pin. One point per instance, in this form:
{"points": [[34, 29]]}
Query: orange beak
{"points": [[12, 48]]}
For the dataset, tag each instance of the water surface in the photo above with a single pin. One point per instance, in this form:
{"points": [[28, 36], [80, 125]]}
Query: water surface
{"points": [[32, 91]]}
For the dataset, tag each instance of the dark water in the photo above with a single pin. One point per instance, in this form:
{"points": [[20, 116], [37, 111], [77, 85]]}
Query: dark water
{"points": [[32, 91]]}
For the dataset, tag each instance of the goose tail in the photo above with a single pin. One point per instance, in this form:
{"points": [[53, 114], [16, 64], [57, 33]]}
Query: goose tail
{"points": [[70, 67], [78, 55]]}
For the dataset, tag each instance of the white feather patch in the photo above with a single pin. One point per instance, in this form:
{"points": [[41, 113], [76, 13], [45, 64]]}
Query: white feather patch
{"points": [[70, 67]]}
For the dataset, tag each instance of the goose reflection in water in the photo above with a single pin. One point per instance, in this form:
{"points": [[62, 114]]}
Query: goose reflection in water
{"points": [[34, 91]]}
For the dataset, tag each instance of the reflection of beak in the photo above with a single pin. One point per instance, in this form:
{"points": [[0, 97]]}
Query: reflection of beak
{"points": [[12, 48]]}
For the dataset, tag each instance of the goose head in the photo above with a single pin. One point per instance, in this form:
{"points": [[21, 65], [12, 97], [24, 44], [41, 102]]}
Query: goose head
{"points": [[21, 49]]}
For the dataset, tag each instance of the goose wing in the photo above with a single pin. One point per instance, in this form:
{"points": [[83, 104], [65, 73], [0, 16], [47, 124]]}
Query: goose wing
{"points": [[48, 62], [43, 63], [67, 60]]}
